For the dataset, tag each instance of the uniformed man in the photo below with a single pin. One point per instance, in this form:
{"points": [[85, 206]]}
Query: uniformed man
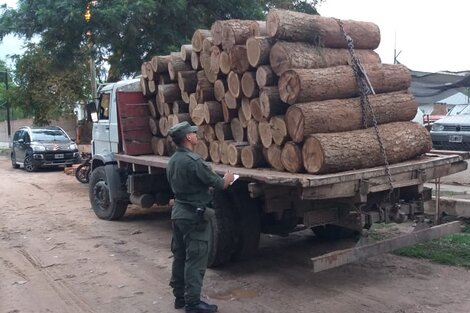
{"points": [[190, 178]]}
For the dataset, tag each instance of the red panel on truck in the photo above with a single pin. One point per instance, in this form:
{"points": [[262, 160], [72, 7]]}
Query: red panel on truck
{"points": [[133, 123]]}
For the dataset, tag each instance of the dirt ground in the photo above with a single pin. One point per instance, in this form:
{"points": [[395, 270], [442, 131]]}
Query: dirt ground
{"points": [[56, 256]]}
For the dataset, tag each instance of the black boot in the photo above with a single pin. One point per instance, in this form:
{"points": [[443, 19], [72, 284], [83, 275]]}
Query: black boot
{"points": [[179, 303], [201, 307]]}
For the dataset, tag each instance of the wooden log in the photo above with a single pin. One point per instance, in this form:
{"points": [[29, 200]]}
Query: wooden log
{"points": [[170, 145], [195, 63], [180, 106], [223, 146], [291, 157], [204, 93], [153, 109], [229, 114], [198, 114], [166, 109], [303, 119], [238, 132], [198, 39], [319, 30], [234, 86], [220, 88], [185, 97], [152, 87], [252, 157], [270, 102], [153, 123], [161, 146], [273, 157], [205, 60], [174, 119], [163, 126], [291, 55], [258, 49], [192, 102], [231, 101], [154, 144], [214, 151], [265, 76], [234, 152], [265, 133], [176, 65], [213, 112], [216, 32], [223, 131], [239, 59], [246, 108], [149, 71], [236, 32], [164, 78], [168, 93], [207, 44], [144, 85], [298, 85], [225, 62], [215, 60], [186, 51], [187, 81], [256, 110], [252, 132], [241, 118], [208, 133], [336, 152], [279, 129], [202, 149], [160, 63], [249, 86]]}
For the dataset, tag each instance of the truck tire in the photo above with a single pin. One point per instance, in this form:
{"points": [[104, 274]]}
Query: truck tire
{"points": [[100, 198], [247, 218], [333, 232], [222, 244]]}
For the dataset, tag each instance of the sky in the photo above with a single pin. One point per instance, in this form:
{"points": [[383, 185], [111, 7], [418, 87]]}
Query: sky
{"points": [[430, 34]]}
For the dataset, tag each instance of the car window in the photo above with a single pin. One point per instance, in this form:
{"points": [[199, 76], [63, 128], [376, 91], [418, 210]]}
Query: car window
{"points": [[49, 135], [104, 106], [465, 111], [26, 136], [17, 135]]}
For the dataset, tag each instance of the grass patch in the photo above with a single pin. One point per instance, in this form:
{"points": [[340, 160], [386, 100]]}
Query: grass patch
{"points": [[5, 151], [450, 250]]}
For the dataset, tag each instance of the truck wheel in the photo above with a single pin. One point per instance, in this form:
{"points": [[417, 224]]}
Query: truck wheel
{"points": [[247, 217], [100, 199], [222, 243], [333, 232]]}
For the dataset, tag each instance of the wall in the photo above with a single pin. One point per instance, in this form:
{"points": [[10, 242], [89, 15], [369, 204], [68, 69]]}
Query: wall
{"points": [[69, 125]]}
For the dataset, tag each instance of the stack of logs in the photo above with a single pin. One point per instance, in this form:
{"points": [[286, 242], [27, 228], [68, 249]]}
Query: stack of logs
{"points": [[281, 93]]}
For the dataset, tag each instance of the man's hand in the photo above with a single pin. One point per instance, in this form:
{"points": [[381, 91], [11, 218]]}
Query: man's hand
{"points": [[228, 178]]}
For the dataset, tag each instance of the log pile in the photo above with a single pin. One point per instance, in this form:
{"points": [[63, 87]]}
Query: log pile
{"points": [[281, 93]]}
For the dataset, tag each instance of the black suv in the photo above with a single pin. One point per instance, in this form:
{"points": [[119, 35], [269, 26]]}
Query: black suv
{"points": [[34, 147]]}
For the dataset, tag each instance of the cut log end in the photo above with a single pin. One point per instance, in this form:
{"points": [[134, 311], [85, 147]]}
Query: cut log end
{"points": [[272, 22], [289, 87], [291, 158], [295, 123], [312, 154]]}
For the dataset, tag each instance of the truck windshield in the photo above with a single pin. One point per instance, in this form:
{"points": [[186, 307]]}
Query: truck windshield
{"points": [[48, 135]]}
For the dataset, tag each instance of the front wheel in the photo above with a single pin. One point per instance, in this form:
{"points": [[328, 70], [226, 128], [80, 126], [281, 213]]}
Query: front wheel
{"points": [[103, 204], [29, 165]]}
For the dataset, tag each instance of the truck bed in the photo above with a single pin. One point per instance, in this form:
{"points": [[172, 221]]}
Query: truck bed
{"points": [[343, 184]]}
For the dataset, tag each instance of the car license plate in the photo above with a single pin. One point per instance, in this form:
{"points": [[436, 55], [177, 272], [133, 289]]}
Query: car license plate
{"points": [[455, 138], [59, 156]]}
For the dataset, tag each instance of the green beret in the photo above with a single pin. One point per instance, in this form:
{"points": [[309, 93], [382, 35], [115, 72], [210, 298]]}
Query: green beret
{"points": [[181, 129]]}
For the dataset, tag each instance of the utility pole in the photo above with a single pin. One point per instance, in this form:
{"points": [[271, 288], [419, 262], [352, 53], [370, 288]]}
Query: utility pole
{"points": [[7, 106]]}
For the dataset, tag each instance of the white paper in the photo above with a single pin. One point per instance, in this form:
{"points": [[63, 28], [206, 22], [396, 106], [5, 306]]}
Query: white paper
{"points": [[235, 177]]}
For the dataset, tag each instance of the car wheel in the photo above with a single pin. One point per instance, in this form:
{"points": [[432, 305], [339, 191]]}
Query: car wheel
{"points": [[29, 165], [13, 162]]}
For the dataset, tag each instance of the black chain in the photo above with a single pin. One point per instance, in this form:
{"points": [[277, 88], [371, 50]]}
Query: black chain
{"points": [[365, 89]]}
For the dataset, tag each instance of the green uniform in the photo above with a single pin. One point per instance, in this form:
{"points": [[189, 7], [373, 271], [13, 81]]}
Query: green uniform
{"points": [[190, 178]]}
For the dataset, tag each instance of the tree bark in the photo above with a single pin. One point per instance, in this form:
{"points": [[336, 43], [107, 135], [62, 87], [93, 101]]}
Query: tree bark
{"points": [[198, 38], [336, 152], [168, 93], [252, 132], [180, 107], [195, 63], [236, 32], [239, 59], [187, 81], [265, 76], [265, 133], [176, 65], [296, 86], [220, 88], [319, 30], [216, 31], [164, 78], [198, 115], [308, 118], [234, 152], [256, 109], [225, 63], [154, 144], [202, 149], [214, 151], [204, 92], [249, 86], [273, 156], [160, 63], [223, 131], [213, 112], [291, 157], [279, 129], [186, 51], [258, 49], [291, 55], [238, 132], [252, 157], [270, 102]]}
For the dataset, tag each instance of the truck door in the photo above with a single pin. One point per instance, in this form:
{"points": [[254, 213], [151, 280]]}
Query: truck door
{"points": [[101, 129]]}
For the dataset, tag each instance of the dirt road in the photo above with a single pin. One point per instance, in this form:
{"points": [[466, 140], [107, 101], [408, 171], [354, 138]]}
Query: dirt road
{"points": [[56, 256]]}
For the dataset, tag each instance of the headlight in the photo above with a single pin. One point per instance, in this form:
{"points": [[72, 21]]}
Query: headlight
{"points": [[73, 146], [437, 127], [38, 148]]}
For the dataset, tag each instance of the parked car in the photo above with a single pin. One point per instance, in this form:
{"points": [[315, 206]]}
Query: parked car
{"points": [[34, 147], [452, 132]]}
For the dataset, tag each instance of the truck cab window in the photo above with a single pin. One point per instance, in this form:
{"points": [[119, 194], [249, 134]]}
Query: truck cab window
{"points": [[104, 106]]}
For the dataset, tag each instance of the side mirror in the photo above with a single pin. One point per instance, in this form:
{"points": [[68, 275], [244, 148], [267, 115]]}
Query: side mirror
{"points": [[92, 114]]}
